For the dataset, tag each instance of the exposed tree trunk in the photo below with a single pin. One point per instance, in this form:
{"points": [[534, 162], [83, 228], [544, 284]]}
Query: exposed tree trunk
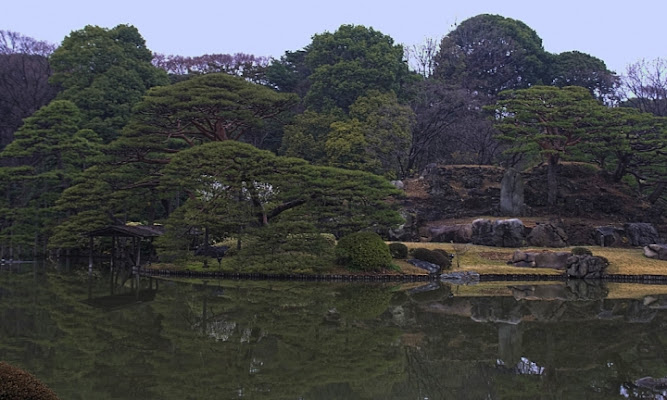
{"points": [[657, 193]]}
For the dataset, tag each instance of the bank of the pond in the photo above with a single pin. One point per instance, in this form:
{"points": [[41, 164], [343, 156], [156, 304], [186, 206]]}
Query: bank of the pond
{"points": [[625, 265]]}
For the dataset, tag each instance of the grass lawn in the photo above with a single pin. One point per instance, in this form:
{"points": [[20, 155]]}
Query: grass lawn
{"points": [[493, 260]]}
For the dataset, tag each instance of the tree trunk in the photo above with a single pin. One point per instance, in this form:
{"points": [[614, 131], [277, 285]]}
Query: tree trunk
{"points": [[657, 192], [552, 181]]}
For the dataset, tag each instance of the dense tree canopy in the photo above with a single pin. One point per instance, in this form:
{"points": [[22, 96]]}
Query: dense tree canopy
{"points": [[52, 152], [105, 72], [232, 185], [548, 121], [489, 54], [350, 62], [211, 107]]}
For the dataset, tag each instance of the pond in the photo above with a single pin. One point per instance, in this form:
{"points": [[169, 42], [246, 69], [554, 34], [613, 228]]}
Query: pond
{"points": [[159, 339]]}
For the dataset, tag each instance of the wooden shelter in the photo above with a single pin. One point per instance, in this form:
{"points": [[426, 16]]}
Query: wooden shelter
{"points": [[137, 233]]}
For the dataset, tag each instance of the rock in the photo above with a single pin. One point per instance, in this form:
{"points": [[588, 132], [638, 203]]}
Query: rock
{"points": [[552, 259], [586, 267], [545, 259], [482, 232], [608, 236], [641, 233], [501, 233], [425, 265], [508, 233], [398, 184], [547, 235], [460, 277], [459, 233], [407, 232], [511, 193], [657, 251]]}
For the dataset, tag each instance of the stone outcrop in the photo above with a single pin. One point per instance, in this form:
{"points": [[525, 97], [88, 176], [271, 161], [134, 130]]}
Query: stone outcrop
{"points": [[425, 265], [458, 233], [610, 236], [511, 193], [656, 251], [460, 277], [641, 233], [543, 259], [547, 235], [501, 233], [586, 267]]}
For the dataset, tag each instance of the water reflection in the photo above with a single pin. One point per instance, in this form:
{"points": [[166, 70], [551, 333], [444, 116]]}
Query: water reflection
{"points": [[93, 338]]}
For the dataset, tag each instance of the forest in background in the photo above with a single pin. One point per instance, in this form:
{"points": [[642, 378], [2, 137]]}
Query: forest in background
{"points": [[99, 130]]}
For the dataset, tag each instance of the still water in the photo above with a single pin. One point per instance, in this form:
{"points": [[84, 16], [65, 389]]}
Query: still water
{"points": [[94, 339]]}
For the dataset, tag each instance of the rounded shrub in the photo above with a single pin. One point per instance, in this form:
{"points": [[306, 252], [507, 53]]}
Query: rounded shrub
{"points": [[365, 251], [398, 250], [440, 258], [581, 251], [18, 384]]}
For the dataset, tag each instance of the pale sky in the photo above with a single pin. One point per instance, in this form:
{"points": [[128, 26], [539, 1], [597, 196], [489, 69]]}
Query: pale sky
{"points": [[618, 32]]}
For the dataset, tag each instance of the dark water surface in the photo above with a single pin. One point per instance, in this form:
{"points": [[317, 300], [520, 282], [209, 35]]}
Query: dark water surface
{"points": [[306, 340]]}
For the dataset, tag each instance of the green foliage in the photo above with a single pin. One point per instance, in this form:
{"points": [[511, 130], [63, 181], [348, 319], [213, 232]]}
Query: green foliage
{"points": [[490, 53], [50, 152], [349, 63], [364, 251], [398, 250], [282, 205], [206, 108], [580, 251], [437, 257], [105, 72]]}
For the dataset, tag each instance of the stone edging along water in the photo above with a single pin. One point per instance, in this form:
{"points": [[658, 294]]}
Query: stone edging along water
{"points": [[650, 279]]}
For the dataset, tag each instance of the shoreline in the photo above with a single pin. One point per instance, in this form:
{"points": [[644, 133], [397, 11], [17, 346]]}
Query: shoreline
{"points": [[621, 278]]}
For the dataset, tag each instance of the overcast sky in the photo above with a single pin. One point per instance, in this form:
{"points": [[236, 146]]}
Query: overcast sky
{"points": [[618, 32]]}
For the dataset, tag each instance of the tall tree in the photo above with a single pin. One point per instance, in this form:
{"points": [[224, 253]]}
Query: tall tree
{"points": [[105, 72], [645, 86], [348, 63], [489, 53], [547, 121], [24, 74], [574, 68], [206, 108], [53, 152], [231, 184]]}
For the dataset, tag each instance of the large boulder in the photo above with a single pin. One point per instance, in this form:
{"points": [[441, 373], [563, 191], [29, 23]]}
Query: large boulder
{"points": [[547, 235], [482, 232], [610, 236], [543, 259], [641, 233], [552, 259], [657, 251], [509, 233], [425, 265], [586, 266], [408, 231], [459, 233]]}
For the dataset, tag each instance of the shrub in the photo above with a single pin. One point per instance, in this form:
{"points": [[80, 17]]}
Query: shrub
{"points": [[440, 257], [363, 250], [18, 384], [398, 250], [580, 251]]}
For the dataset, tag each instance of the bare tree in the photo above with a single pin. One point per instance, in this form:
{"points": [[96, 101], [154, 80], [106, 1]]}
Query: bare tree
{"points": [[645, 86], [247, 66], [24, 75], [421, 57]]}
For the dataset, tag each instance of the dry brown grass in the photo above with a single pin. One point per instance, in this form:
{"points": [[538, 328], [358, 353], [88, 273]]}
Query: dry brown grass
{"points": [[493, 260]]}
